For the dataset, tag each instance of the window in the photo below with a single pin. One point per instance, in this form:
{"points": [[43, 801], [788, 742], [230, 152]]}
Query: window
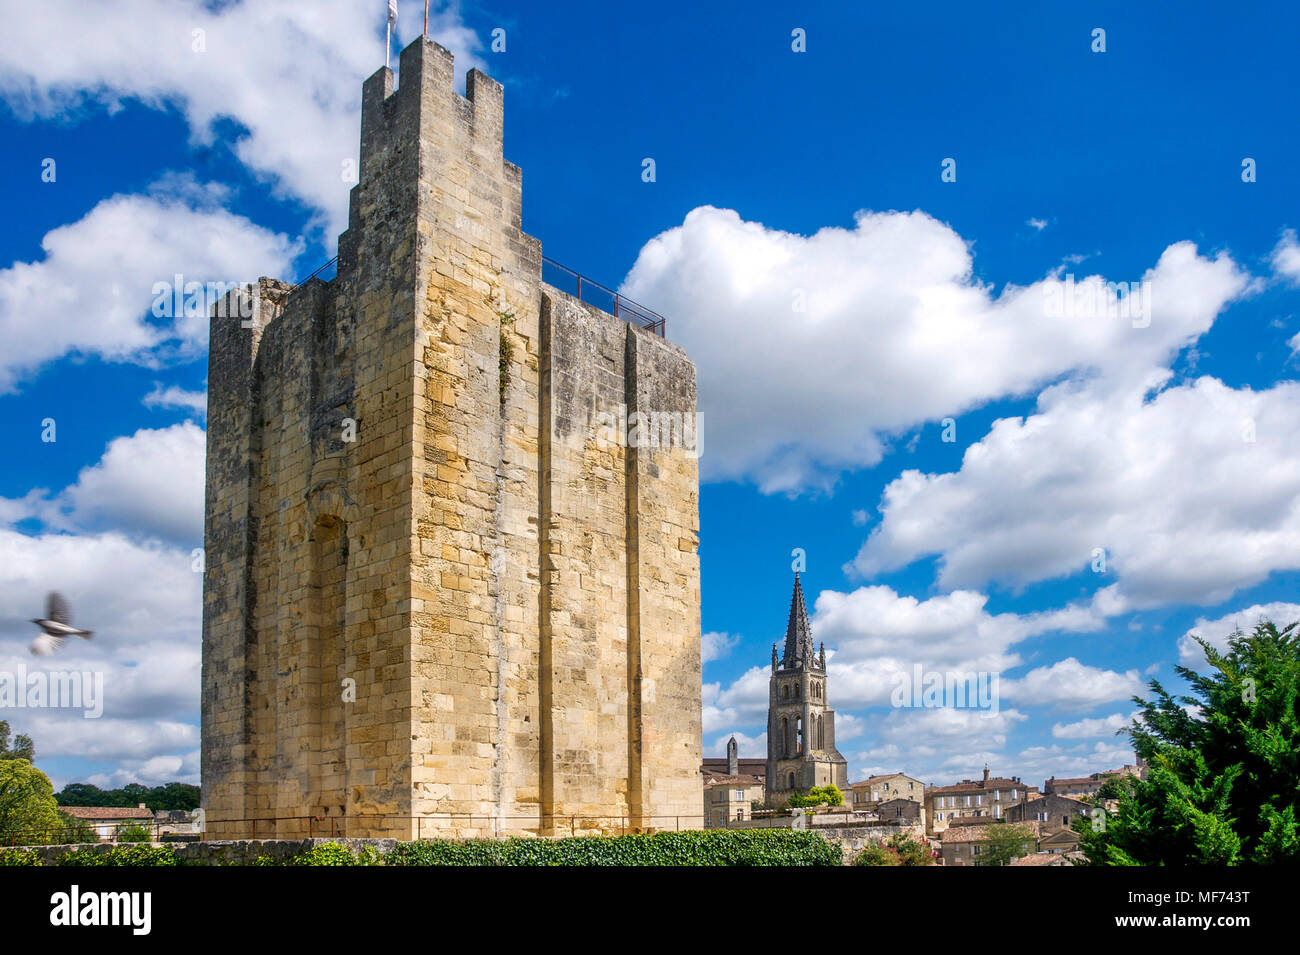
{"points": [[740, 794], [791, 781]]}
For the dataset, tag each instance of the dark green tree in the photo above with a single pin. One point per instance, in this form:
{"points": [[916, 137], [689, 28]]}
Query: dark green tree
{"points": [[81, 794], [1223, 764], [1112, 788], [1004, 842], [28, 813], [171, 796], [21, 748]]}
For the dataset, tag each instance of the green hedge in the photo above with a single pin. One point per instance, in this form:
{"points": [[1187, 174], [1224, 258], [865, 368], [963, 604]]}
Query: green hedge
{"points": [[780, 847]]}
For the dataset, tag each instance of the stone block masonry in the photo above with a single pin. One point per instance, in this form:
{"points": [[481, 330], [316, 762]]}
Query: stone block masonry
{"points": [[430, 590]]}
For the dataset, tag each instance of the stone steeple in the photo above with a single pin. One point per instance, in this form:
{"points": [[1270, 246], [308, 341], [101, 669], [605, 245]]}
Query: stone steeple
{"points": [[801, 749], [798, 635]]}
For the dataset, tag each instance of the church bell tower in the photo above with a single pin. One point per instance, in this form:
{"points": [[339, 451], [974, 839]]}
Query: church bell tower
{"points": [[801, 749]]}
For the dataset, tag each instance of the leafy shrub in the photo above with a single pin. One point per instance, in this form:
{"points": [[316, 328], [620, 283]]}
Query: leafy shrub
{"points": [[133, 832], [901, 849], [132, 855], [24, 857], [828, 795], [331, 853], [877, 854]]}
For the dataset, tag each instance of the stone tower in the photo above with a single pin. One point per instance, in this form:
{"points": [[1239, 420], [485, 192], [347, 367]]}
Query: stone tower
{"points": [[801, 749], [437, 600]]}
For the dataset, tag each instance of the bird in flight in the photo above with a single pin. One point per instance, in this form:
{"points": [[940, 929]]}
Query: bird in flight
{"points": [[57, 626]]}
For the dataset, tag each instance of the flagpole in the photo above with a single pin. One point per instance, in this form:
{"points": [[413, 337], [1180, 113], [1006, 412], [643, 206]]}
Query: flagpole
{"points": [[426, 17], [388, 45]]}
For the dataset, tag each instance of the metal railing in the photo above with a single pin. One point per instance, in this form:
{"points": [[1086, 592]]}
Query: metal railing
{"points": [[585, 290], [456, 825], [620, 306], [89, 833], [317, 272]]}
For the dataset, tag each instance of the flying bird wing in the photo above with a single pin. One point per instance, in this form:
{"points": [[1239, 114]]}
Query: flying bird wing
{"points": [[45, 644], [58, 609]]}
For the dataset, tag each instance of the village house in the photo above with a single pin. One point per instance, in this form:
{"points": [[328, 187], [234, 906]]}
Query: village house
{"points": [[876, 789], [964, 841], [1089, 785], [988, 797], [105, 821], [729, 793], [901, 811], [1052, 812]]}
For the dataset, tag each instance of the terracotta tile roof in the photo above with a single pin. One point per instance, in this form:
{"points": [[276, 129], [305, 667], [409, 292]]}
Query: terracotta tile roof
{"points": [[1040, 858], [875, 779], [975, 786], [725, 780], [977, 833], [106, 812]]}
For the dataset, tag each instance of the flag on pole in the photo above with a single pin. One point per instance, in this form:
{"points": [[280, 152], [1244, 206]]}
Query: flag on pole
{"points": [[388, 38]]}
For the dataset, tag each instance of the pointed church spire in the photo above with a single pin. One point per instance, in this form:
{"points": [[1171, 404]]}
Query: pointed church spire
{"points": [[798, 635]]}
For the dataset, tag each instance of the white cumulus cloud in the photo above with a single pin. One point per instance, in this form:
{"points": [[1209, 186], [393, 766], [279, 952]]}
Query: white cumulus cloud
{"points": [[288, 74], [1186, 496], [810, 348], [148, 485], [93, 292]]}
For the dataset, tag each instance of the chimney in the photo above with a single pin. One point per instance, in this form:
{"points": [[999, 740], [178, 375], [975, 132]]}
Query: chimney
{"points": [[141, 806]]}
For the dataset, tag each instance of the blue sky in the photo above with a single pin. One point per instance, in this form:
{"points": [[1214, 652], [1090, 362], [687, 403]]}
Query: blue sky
{"points": [[776, 170]]}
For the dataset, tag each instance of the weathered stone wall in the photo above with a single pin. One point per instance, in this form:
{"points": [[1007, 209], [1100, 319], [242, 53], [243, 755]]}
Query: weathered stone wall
{"points": [[516, 600]]}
